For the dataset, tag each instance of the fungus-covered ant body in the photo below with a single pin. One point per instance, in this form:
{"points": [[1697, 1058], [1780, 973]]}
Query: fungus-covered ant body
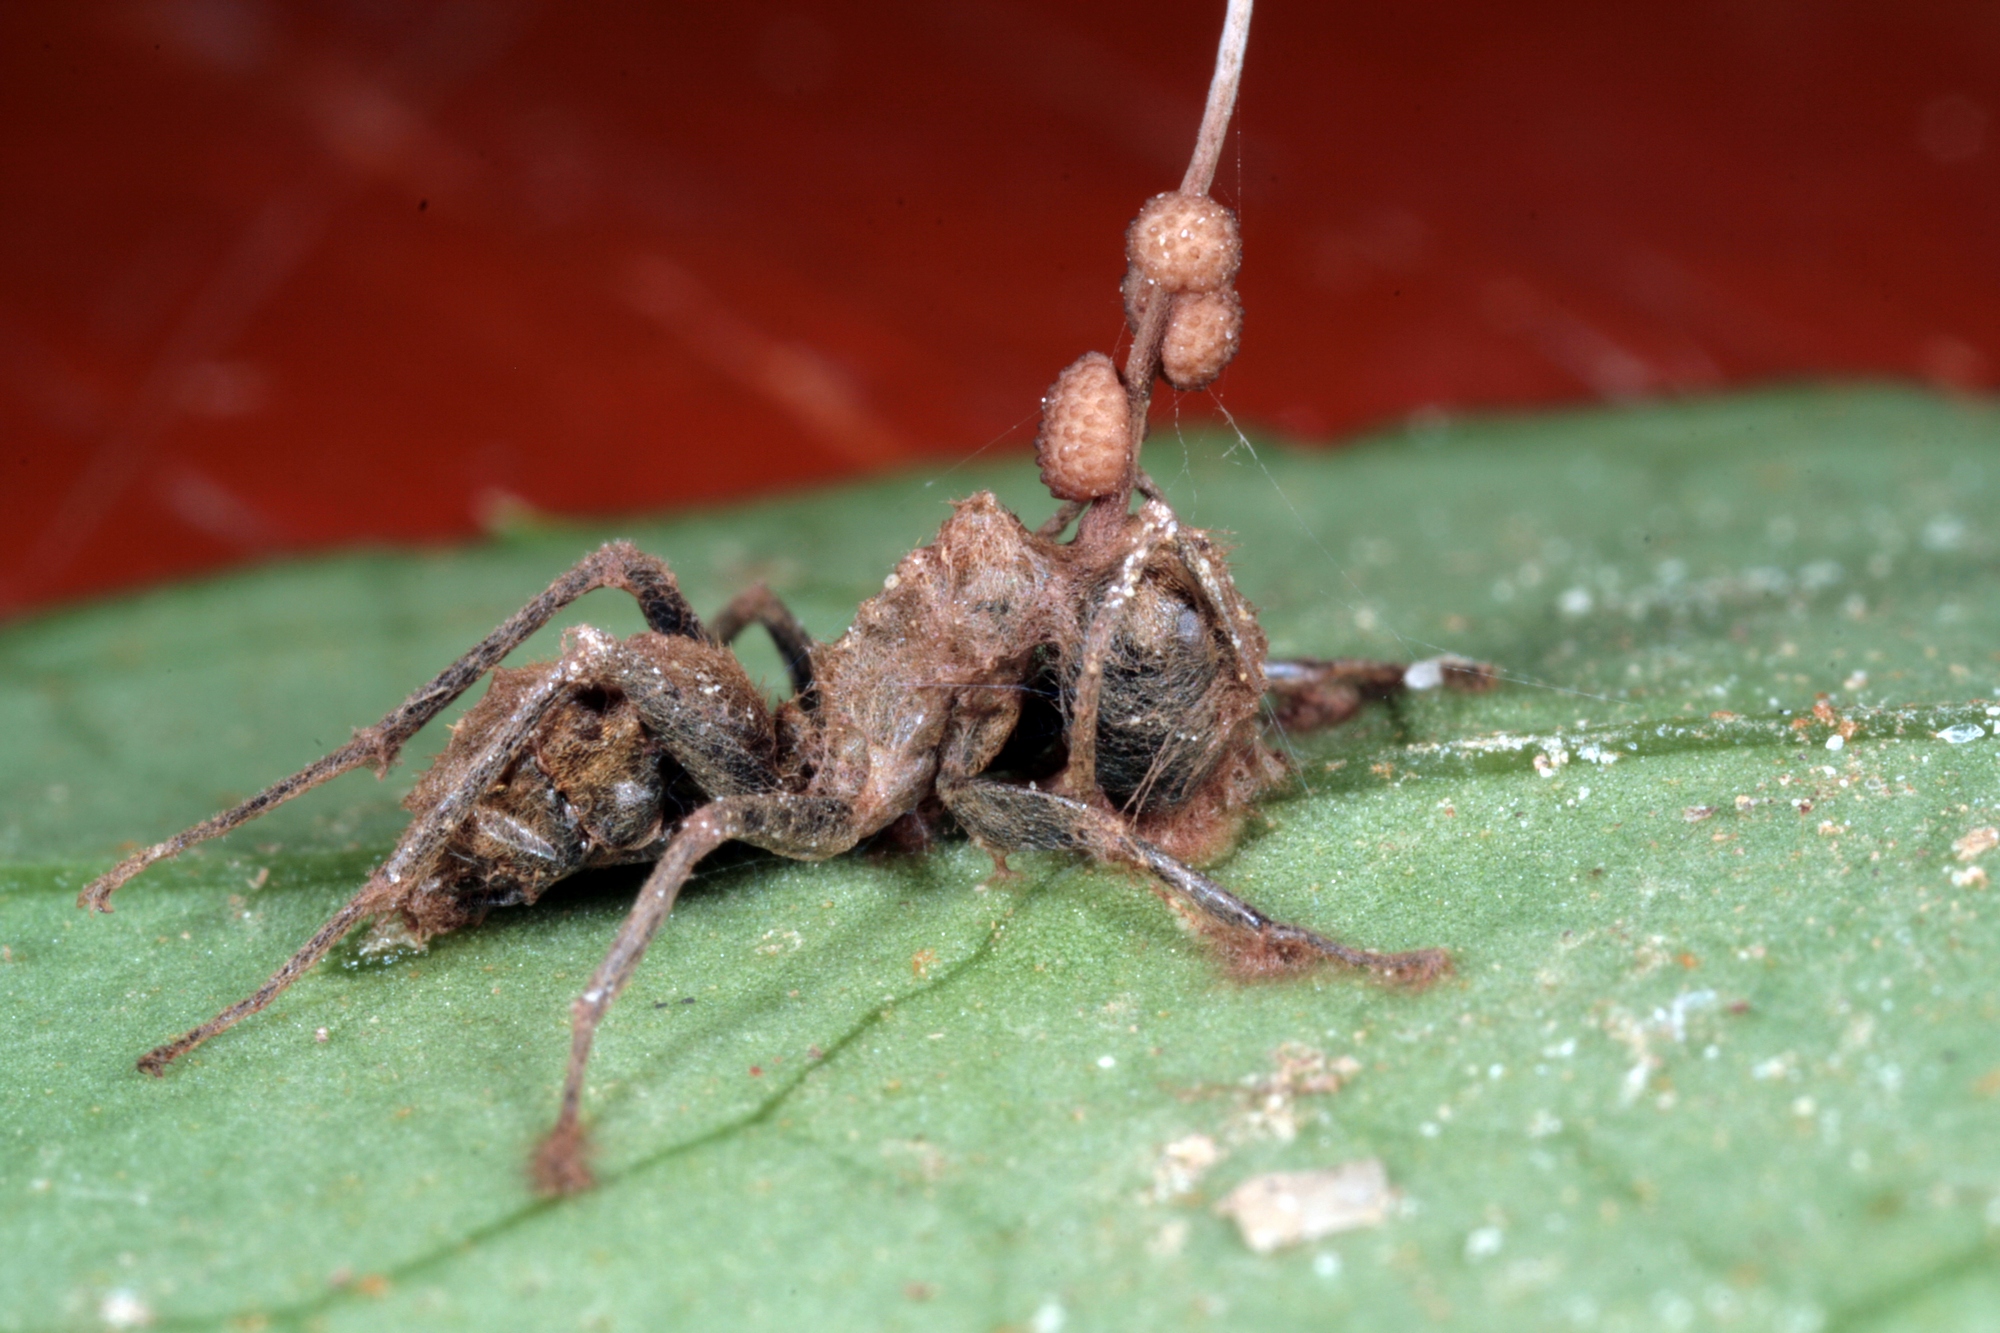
{"points": [[1102, 694]]}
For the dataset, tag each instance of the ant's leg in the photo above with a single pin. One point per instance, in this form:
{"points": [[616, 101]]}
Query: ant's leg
{"points": [[368, 902], [760, 606], [802, 827], [402, 876], [1066, 512], [1156, 528], [1309, 693], [1211, 574], [700, 704], [615, 565], [1004, 817]]}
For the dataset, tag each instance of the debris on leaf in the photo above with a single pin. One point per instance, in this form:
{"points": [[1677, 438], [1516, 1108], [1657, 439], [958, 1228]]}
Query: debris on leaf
{"points": [[1266, 1104], [1283, 1208], [1181, 1166], [1976, 843]]}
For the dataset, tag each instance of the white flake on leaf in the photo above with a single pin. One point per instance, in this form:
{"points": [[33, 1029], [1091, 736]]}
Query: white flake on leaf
{"points": [[1283, 1208]]}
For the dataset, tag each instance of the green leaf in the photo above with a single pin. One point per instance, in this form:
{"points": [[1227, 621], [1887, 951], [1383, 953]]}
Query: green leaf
{"points": [[1721, 1048]]}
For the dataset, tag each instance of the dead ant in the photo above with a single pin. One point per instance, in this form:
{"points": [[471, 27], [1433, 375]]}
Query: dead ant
{"points": [[1102, 695]]}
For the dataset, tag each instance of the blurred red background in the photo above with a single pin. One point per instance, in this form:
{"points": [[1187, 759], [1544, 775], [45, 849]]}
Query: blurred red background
{"points": [[282, 276]]}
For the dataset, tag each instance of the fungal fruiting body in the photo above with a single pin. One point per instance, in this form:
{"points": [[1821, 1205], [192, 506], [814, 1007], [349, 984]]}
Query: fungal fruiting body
{"points": [[1202, 334], [1185, 248], [1084, 447], [1185, 243]]}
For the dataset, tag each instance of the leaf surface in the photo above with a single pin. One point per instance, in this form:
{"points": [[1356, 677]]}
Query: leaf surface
{"points": [[1720, 1051]]}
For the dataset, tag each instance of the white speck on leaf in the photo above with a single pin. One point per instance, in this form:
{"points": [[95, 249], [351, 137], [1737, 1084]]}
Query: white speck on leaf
{"points": [[1777, 1067], [1425, 675], [123, 1309], [1181, 1166], [1946, 532]]}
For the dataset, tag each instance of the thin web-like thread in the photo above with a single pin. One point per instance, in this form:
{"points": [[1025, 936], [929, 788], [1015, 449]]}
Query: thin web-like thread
{"points": [[1187, 456], [968, 457], [1293, 760], [1236, 131], [1297, 517], [1529, 681], [1408, 643]]}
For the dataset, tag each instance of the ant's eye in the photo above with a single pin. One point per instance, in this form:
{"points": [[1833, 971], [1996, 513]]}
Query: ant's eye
{"points": [[1189, 625]]}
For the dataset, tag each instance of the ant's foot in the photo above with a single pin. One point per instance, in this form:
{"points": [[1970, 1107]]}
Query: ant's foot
{"points": [[561, 1163]]}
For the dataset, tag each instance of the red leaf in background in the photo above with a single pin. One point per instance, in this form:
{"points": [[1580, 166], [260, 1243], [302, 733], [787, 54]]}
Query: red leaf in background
{"points": [[277, 277]]}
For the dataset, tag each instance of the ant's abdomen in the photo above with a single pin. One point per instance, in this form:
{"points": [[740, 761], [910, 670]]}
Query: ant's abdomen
{"points": [[593, 781], [1159, 730], [606, 768]]}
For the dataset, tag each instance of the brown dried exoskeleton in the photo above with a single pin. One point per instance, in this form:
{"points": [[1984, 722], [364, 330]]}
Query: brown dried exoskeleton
{"points": [[1101, 695]]}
